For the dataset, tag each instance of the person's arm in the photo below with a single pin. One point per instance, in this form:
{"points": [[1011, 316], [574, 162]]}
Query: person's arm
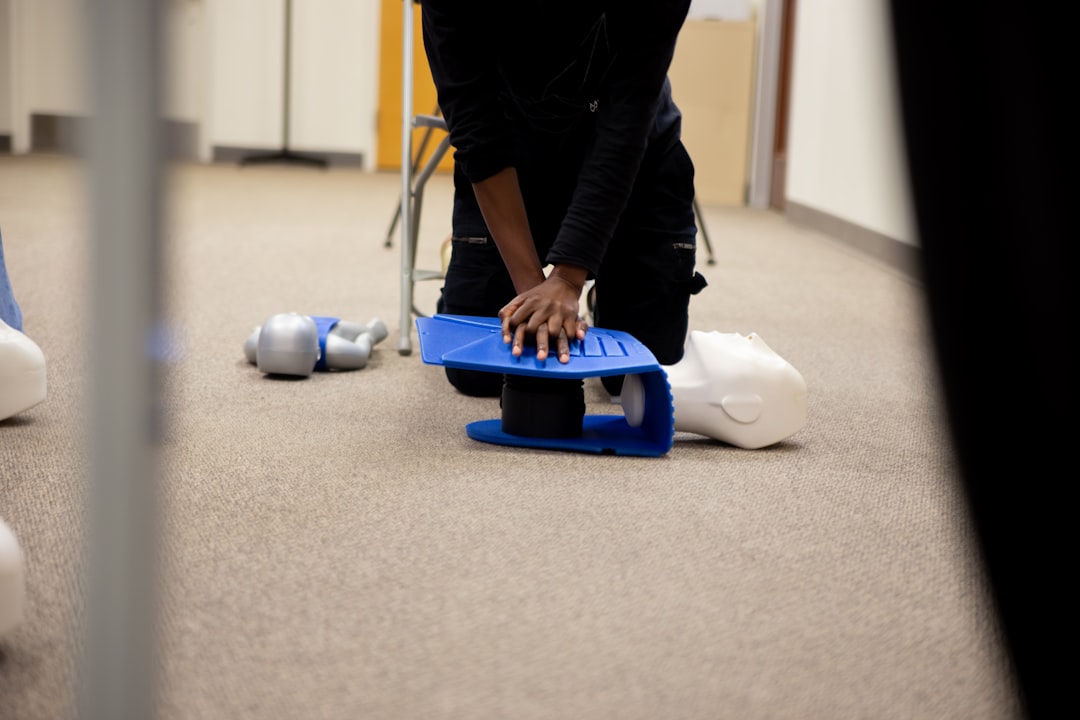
{"points": [[626, 112], [545, 308], [457, 38]]}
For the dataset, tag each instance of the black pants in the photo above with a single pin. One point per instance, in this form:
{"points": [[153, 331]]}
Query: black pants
{"points": [[643, 285]]}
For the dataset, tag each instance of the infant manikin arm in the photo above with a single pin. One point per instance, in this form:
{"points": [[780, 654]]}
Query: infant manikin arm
{"points": [[375, 330], [732, 388]]}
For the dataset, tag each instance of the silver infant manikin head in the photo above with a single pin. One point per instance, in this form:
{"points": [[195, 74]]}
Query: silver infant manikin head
{"points": [[732, 388]]}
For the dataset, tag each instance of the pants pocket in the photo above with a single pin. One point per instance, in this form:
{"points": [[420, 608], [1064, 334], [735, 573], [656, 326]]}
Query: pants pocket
{"points": [[647, 294]]}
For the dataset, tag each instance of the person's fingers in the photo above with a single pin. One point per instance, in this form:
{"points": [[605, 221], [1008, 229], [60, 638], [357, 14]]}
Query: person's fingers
{"points": [[542, 336], [524, 315], [538, 315], [544, 316], [569, 327], [519, 340], [564, 347], [556, 334], [582, 328], [506, 315]]}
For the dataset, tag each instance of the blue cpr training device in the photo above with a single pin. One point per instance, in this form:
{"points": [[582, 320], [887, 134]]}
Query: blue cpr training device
{"points": [[475, 343]]}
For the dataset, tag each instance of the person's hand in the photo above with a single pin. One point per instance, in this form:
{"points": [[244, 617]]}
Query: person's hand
{"points": [[547, 312]]}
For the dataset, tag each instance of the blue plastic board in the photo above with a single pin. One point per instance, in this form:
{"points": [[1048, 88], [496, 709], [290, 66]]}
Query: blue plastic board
{"points": [[475, 343]]}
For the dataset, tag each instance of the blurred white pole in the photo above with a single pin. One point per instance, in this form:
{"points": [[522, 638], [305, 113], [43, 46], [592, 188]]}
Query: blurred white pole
{"points": [[405, 338], [119, 679], [766, 92]]}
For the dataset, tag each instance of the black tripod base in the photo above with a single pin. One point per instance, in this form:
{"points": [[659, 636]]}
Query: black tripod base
{"points": [[285, 157]]}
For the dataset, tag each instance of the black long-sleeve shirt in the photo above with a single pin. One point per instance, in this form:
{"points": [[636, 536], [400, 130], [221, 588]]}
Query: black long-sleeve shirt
{"points": [[503, 68]]}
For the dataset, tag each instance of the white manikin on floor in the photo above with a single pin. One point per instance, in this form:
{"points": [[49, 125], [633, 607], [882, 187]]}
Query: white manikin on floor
{"points": [[22, 386], [22, 372], [730, 387], [12, 587]]}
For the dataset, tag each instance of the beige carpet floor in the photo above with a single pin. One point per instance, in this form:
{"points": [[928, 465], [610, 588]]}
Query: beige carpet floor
{"points": [[338, 548]]}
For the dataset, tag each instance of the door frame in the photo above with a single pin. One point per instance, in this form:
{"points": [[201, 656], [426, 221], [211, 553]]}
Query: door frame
{"points": [[772, 92]]}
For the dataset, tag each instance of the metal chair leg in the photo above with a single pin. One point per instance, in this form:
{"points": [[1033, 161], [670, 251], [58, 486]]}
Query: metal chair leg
{"points": [[411, 233], [704, 232], [429, 129]]}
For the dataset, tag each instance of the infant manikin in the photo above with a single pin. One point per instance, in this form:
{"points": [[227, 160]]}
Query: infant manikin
{"points": [[12, 584], [22, 386], [22, 372], [732, 388], [294, 344]]}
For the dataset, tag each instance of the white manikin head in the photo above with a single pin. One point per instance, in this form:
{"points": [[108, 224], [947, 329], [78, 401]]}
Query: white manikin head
{"points": [[733, 388]]}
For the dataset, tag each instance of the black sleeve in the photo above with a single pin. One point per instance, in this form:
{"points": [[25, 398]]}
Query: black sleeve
{"points": [[627, 108], [458, 40]]}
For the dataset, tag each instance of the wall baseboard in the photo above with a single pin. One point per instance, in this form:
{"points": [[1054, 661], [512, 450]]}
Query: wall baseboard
{"points": [[233, 155], [57, 133], [901, 256], [65, 133]]}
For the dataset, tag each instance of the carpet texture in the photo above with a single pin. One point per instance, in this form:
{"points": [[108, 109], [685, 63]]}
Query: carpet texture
{"points": [[336, 547]]}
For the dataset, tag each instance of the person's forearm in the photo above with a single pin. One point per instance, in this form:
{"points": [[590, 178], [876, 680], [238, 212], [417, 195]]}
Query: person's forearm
{"points": [[500, 201], [573, 275]]}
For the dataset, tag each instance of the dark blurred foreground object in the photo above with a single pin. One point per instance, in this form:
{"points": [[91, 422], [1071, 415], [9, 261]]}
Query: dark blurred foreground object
{"points": [[983, 94]]}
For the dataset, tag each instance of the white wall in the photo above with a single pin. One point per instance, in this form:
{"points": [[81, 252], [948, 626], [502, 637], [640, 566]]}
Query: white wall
{"points": [[244, 83], [45, 55], [183, 96], [51, 55], [335, 75], [334, 81], [845, 145], [44, 43], [223, 70]]}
